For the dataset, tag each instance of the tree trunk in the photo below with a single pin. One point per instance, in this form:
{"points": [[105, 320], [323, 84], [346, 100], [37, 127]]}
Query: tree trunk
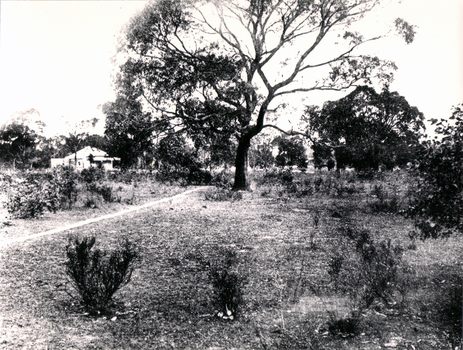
{"points": [[241, 164]]}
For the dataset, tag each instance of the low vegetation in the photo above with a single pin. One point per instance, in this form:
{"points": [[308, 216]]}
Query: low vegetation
{"points": [[304, 261], [97, 276]]}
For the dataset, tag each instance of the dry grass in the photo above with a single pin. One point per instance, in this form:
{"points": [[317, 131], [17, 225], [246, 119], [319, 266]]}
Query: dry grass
{"points": [[281, 251]]}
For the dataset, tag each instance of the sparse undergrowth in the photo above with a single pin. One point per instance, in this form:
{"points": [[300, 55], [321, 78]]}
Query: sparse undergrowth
{"points": [[287, 264]]}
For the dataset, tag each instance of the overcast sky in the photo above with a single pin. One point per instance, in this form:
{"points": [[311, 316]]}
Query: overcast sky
{"points": [[55, 56]]}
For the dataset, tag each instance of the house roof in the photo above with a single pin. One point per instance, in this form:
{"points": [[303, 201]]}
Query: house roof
{"points": [[86, 151]]}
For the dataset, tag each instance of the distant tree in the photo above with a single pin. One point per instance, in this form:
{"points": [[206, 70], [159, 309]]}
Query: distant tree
{"points": [[78, 132], [322, 156], [261, 154], [291, 152], [367, 129], [226, 66], [17, 144], [439, 199], [19, 136], [97, 141], [174, 151], [128, 129]]}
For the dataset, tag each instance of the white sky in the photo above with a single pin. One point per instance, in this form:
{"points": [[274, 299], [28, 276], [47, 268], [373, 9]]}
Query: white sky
{"points": [[55, 56]]}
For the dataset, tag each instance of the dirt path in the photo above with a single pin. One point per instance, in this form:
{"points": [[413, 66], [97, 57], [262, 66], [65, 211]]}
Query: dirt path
{"points": [[6, 242]]}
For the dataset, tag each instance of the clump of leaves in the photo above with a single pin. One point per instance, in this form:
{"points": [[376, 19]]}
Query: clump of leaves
{"points": [[96, 274], [439, 194]]}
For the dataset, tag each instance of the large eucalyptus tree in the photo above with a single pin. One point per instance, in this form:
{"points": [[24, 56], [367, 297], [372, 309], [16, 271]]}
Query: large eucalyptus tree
{"points": [[226, 67]]}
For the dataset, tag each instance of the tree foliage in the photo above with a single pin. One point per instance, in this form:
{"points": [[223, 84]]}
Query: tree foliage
{"points": [[439, 199], [291, 152], [128, 129], [367, 129], [224, 67], [17, 144]]}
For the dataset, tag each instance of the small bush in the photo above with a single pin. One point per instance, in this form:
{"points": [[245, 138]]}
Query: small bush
{"points": [[222, 179], [448, 305], [92, 175], [66, 180], [384, 203], [381, 273], [372, 273], [227, 284], [97, 276], [90, 202], [277, 176], [106, 192]]}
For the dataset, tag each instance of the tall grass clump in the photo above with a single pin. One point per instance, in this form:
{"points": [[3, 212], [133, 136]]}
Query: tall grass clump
{"points": [[97, 275]]}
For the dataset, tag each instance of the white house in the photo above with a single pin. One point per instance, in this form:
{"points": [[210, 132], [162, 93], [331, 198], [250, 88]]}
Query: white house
{"points": [[81, 159]]}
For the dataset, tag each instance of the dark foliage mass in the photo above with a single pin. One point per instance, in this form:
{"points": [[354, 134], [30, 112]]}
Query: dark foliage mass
{"points": [[178, 161], [291, 152], [366, 130], [97, 276], [438, 204]]}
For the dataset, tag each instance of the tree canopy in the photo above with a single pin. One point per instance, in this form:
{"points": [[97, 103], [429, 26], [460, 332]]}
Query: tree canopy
{"points": [[226, 67], [367, 129], [128, 128]]}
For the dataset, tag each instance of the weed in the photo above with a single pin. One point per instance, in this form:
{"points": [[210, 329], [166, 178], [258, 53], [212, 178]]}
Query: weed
{"points": [[95, 276]]}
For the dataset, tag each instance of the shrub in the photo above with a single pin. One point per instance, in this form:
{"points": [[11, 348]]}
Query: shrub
{"points": [[222, 179], [92, 175], [385, 203], [439, 195], [373, 273], [277, 176], [29, 197], [448, 305], [106, 192], [97, 276], [66, 180], [227, 284], [380, 272]]}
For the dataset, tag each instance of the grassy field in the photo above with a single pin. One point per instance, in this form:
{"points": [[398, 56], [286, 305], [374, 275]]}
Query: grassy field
{"points": [[283, 237]]}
